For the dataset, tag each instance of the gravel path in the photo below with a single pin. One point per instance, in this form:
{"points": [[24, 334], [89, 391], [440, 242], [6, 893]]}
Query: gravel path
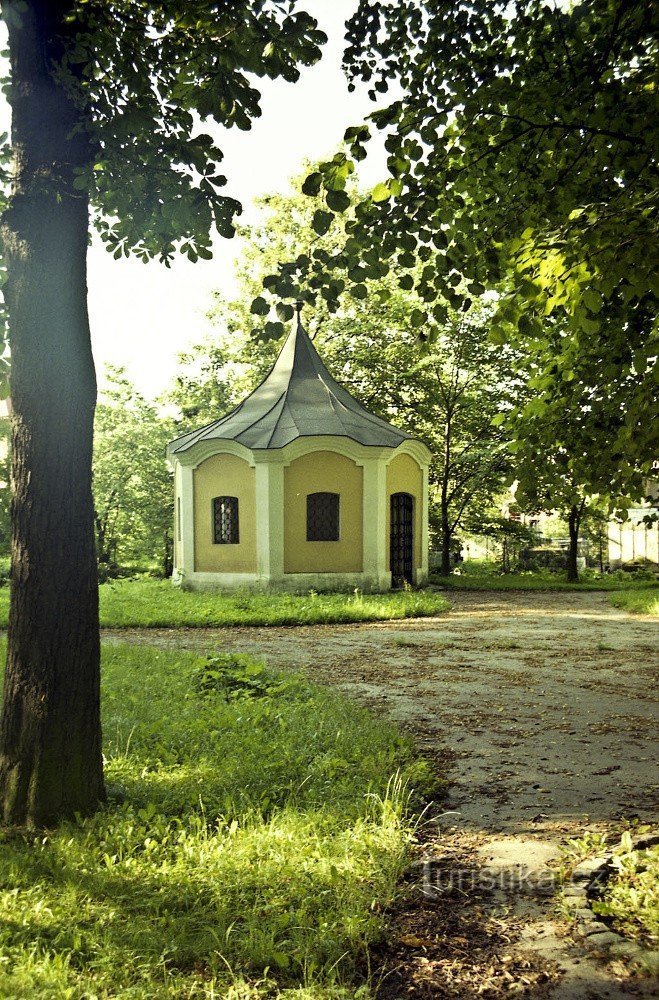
{"points": [[545, 705]]}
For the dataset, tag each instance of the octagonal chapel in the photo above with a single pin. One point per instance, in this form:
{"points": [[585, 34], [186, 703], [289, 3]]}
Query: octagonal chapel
{"points": [[300, 487]]}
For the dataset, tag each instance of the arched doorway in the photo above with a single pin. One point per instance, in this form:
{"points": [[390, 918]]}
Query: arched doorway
{"points": [[401, 539]]}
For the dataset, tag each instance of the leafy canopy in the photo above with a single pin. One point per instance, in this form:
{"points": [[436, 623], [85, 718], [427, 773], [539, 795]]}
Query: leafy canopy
{"points": [[147, 75], [522, 155]]}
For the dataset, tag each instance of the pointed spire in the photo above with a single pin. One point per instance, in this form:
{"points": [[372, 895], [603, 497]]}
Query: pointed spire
{"points": [[298, 398]]}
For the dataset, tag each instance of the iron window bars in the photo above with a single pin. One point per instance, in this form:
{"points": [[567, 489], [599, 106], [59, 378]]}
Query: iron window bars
{"points": [[225, 521], [323, 517]]}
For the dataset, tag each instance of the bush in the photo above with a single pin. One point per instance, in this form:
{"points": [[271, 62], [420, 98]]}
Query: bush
{"points": [[543, 558]]}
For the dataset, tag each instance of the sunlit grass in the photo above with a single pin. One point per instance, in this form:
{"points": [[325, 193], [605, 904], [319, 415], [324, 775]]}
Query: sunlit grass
{"points": [[644, 602], [630, 897], [253, 840], [157, 604]]}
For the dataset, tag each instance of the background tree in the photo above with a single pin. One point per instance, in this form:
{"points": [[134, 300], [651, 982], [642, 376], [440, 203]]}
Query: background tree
{"points": [[569, 440], [446, 397], [132, 486], [106, 100], [553, 459], [509, 534]]}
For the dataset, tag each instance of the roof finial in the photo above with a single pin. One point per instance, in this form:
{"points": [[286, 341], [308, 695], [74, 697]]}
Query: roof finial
{"points": [[298, 309]]}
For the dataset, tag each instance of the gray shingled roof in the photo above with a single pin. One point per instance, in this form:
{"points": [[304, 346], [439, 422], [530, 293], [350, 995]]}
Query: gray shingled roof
{"points": [[299, 398]]}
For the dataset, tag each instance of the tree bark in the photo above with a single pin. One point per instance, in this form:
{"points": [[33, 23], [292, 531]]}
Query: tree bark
{"points": [[444, 506], [446, 538], [50, 733], [574, 522]]}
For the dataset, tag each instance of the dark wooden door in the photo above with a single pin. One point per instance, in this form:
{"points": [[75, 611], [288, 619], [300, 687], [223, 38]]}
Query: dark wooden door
{"points": [[402, 539]]}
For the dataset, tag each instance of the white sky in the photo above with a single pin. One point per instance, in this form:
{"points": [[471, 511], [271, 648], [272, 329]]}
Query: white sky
{"points": [[143, 315]]}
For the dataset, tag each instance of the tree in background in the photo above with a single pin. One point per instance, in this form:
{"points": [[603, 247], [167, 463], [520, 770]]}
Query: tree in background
{"points": [[511, 535], [132, 486], [106, 101], [446, 394], [553, 464]]}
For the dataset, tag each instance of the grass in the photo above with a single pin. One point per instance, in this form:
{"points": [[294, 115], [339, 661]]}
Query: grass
{"points": [[630, 899], [477, 576], [157, 604], [253, 841], [644, 601]]}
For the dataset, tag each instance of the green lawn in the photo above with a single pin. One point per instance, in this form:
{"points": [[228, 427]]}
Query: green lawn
{"points": [[644, 601], [484, 578], [254, 838], [157, 604]]}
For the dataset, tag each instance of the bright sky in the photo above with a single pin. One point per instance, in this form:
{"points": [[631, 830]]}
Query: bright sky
{"points": [[143, 315]]}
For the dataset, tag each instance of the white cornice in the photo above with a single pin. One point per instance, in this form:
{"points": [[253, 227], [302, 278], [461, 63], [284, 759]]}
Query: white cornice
{"points": [[358, 453]]}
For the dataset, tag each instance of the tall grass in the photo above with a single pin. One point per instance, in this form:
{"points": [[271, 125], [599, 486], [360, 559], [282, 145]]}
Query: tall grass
{"points": [[253, 841], [157, 604]]}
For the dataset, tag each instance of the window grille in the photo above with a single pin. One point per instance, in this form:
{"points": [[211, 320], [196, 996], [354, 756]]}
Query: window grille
{"points": [[323, 517], [225, 521]]}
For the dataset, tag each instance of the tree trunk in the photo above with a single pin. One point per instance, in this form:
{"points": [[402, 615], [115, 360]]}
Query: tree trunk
{"points": [[446, 539], [574, 522], [168, 555], [444, 510], [50, 734]]}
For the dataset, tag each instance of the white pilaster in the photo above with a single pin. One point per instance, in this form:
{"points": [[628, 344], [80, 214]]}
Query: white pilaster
{"points": [[422, 573], [185, 495], [374, 529], [269, 518]]}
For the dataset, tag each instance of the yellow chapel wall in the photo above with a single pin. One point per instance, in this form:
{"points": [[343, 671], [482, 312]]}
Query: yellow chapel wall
{"points": [[319, 472], [404, 476], [224, 475]]}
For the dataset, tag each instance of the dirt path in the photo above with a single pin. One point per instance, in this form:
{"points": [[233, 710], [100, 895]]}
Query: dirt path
{"points": [[545, 706]]}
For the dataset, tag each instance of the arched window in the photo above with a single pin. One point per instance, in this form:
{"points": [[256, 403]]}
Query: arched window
{"points": [[323, 517], [225, 521]]}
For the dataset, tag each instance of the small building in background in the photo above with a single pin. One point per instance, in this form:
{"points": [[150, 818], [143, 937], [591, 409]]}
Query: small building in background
{"points": [[300, 487], [635, 541]]}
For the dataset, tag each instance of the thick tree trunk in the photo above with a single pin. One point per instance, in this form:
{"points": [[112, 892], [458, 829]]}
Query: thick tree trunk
{"points": [[50, 736], [573, 521]]}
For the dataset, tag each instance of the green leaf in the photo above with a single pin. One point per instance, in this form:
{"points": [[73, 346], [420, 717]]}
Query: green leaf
{"points": [[285, 311], [338, 201], [259, 306], [589, 326], [418, 318], [592, 299], [359, 291], [312, 184], [381, 192], [273, 331], [322, 221]]}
